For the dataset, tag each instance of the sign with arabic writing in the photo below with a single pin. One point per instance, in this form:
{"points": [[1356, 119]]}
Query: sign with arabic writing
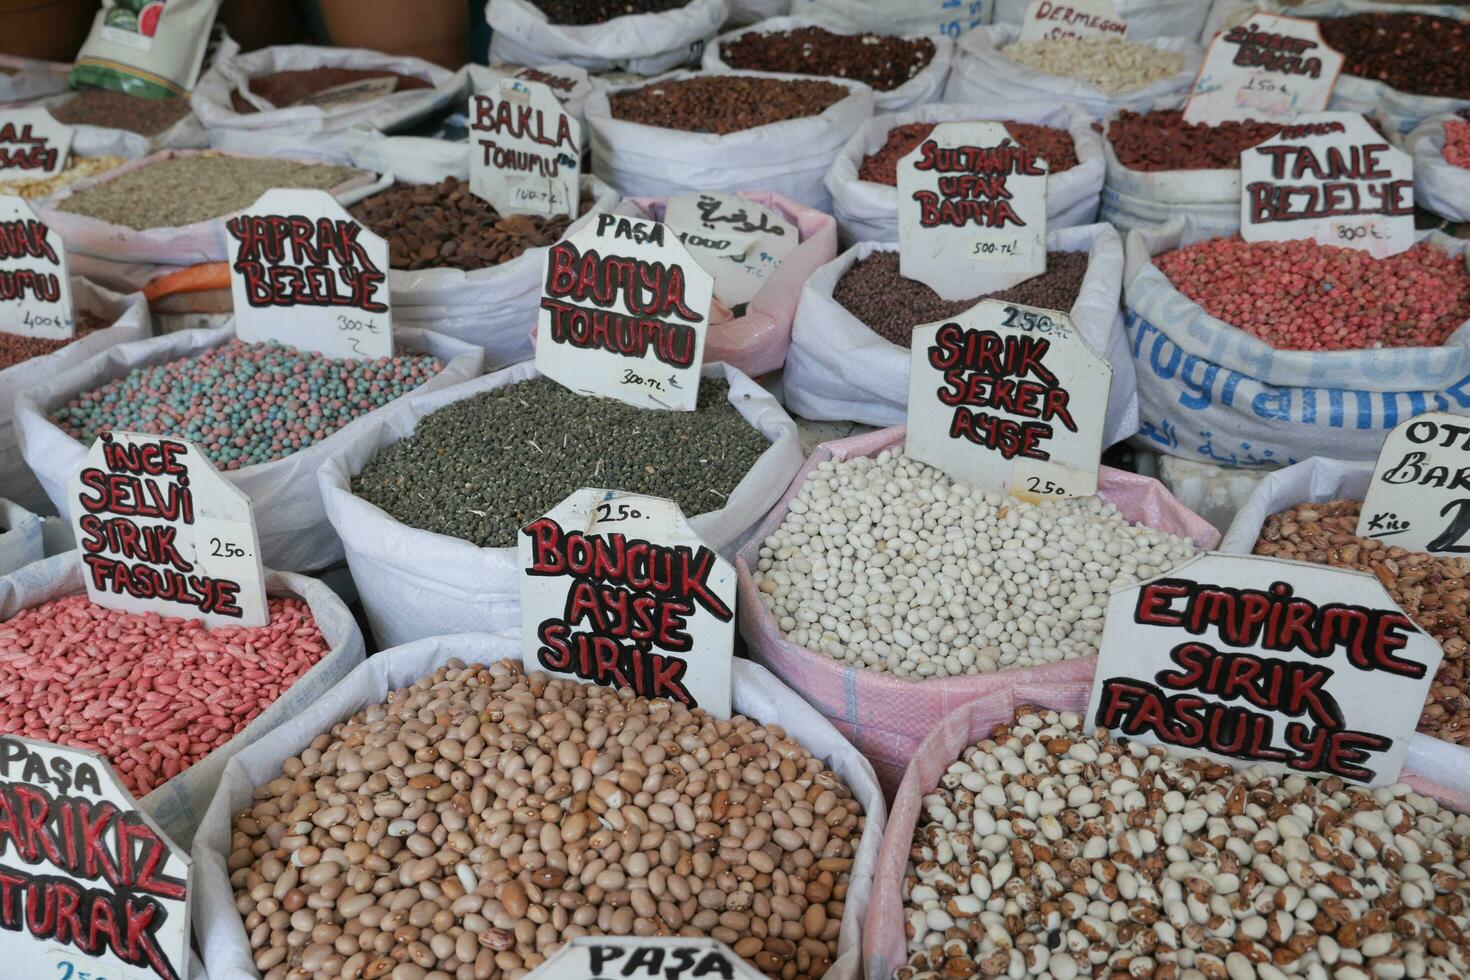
{"points": [[738, 241]]}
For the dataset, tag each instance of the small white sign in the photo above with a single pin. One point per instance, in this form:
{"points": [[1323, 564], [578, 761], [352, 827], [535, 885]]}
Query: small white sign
{"points": [[1332, 178], [739, 242], [651, 958], [1270, 68], [32, 144], [1419, 499], [91, 886], [1008, 397], [159, 530], [304, 272], [527, 149], [971, 211], [35, 289], [1047, 19], [1257, 661], [624, 313], [618, 590]]}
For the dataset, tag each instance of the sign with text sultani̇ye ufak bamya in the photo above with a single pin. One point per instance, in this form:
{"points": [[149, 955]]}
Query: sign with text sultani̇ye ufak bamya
{"points": [[32, 144], [526, 149], [1419, 498], [1258, 661], [1269, 68], [159, 530], [1047, 19], [624, 313], [739, 242], [35, 290], [304, 272], [645, 958], [618, 590]]}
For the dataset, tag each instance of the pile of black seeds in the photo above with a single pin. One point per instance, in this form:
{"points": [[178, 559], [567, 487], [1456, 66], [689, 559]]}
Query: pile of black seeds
{"points": [[583, 12], [484, 467]]}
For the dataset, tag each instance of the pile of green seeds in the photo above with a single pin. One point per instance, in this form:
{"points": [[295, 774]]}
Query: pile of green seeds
{"points": [[485, 466]]}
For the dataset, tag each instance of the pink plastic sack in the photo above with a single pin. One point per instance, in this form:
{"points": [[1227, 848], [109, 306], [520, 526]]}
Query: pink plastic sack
{"points": [[885, 716]]}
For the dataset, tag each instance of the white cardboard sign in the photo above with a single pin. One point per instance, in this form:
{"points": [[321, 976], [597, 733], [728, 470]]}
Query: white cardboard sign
{"points": [[739, 242], [971, 211], [1269, 68], [651, 958], [618, 590], [93, 887], [304, 272], [32, 144], [35, 289], [1332, 178], [527, 149], [1046, 19], [624, 313], [159, 530], [1008, 397], [1419, 498], [1257, 661]]}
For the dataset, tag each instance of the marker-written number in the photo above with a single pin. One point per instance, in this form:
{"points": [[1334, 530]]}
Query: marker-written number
{"points": [[607, 514], [1352, 233], [634, 378], [69, 971], [1032, 321], [1448, 541], [225, 549], [33, 319], [1037, 485]]}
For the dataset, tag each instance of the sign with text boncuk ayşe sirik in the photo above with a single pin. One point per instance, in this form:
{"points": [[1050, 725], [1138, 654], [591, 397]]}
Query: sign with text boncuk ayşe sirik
{"points": [[526, 149], [1269, 68], [1419, 498], [35, 290]]}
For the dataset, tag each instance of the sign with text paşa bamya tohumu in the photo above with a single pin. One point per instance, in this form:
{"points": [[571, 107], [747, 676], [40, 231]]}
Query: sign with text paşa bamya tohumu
{"points": [[304, 272], [739, 242], [1269, 68], [1045, 20], [624, 313], [1258, 661], [32, 144], [35, 288], [525, 149], [618, 590], [1419, 496], [645, 958]]}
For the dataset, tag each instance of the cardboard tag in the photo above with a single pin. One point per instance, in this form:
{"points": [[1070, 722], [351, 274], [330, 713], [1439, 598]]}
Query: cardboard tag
{"points": [[739, 242], [651, 958], [1419, 498], [529, 150], [971, 211], [352, 93], [126, 886], [624, 312], [159, 530], [1270, 68], [1008, 397], [1331, 178], [1258, 661], [35, 289], [635, 601], [304, 272], [32, 144], [1046, 19]]}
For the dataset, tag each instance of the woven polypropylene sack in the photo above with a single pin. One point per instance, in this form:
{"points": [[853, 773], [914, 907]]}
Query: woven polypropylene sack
{"points": [[949, 18], [643, 44], [1143, 198], [21, 537], [1146, 18], [1439, 186]]}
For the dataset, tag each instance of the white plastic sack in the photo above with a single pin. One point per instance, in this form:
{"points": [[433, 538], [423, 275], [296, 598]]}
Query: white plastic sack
{"points": [[790, 157], [840, 369], [925, 87], [644, 44], [416, 583], [179, 804], [867, 211], [22, 540], [982, 75], [1146, 18], [1141, 198], [1211, 392], [950, 18], [751, 11], [129, 318], [294, 533], [1439, 185], [30, 79]]}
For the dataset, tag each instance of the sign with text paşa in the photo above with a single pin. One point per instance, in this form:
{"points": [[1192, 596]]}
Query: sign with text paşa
{"points": [[1258, 661], [35, 289], [304, 272], [1419, 498], [618, 590], [527, 150], [651, 958], [971, 211], [1269, 68], [159, 530], [1008, 397], [739, 242], [89, 884], [32, 144], [624, 313], [1047, 19], [1329, 177]]}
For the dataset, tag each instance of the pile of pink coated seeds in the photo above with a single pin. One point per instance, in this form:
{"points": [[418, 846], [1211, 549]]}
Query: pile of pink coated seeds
{"points": [[1457, 142]]}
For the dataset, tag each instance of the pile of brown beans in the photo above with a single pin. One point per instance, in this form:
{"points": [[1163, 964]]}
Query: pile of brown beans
{"points": [[1162, 140], [1052, 144], [1418, 53], [883, 61], [724, 103]]}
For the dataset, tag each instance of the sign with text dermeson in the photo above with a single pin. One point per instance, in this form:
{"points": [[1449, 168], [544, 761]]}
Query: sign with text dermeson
{"points": [[1047, 19], [651, 958], [1269, 68], [1257, 661], [526, 151], [35, 289], [1419, 498]]}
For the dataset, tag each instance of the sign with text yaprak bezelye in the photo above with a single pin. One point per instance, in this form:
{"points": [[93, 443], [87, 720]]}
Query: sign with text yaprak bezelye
{"points": [[645, 958], [1269, 68], [1047, 19], [35, 289], [1419, 497], [526, 149], [739, 242], [32, 144]]}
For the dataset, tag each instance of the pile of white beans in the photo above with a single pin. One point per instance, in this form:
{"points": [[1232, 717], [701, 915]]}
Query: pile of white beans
{"points": [[1111, 64]]}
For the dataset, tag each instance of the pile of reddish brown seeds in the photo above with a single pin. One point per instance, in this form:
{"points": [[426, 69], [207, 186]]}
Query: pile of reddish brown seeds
{"points": [[882, 61], [1162, 140], [16, 349], [724, 103]]}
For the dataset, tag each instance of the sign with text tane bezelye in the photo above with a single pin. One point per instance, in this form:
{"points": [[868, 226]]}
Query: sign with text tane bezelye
{"points": [[1008, 397], [1419, 498], [618, 590], [1332, 178], [304, 272], [1047, 19], [35, 290], [90, 886], [1269, 68], [527, 149], [650, 958], [32, 144], [159, 530], [1258, 661], [624, 313], [739, 242]]}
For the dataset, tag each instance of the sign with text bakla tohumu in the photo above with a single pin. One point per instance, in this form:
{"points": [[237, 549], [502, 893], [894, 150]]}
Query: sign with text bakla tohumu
{"points": [[624, 313], [1008, 397], [650, 958], [527, 150], [159, 530], [89, 885], [1269, 68], [1258, 661], [1047, 19], [1332, 178], [618, 590], [738, 241], [1419, 497], [304, 272], [35, 289], [32, 144]]}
